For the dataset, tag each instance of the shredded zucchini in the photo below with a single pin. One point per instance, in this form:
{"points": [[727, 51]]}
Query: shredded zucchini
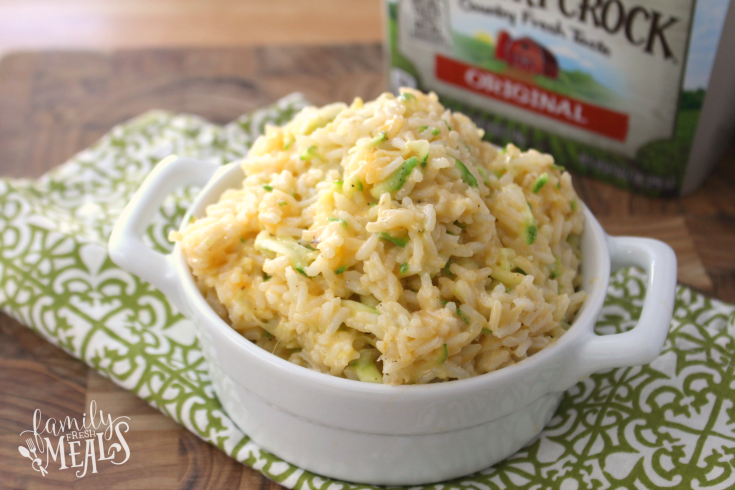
{"points": [[382, 136], [420, 148], [299, 255], [507, 277], [558, 269], [396, 180], [401, 242], [351, 186], [540, 183], [365, 367], [502, 269], [530, 228], [467, 176], [445, 269], [356, 307], [309, 154], [531, 231], [483, 173], [443, 354], [311, 125], [338, 220]]}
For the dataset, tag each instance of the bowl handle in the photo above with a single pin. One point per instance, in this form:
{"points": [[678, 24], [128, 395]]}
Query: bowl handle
{"points": [[126, 247], [644, 342]]}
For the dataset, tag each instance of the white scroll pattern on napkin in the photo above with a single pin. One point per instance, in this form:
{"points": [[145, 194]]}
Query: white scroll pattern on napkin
{"points": [[667, 425]]}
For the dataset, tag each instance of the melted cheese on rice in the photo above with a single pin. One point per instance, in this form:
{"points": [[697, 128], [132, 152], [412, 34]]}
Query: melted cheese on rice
{"points": [[386, 242]]}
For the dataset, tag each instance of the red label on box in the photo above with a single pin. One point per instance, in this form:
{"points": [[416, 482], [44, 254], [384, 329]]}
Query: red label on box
{"points": [[533, 98]]}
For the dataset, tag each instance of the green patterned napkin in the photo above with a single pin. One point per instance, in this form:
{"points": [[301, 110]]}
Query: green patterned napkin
{"points": [[670, 424]]}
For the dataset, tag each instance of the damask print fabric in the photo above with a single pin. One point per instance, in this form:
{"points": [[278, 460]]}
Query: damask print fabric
{"points": [[670, 424]]}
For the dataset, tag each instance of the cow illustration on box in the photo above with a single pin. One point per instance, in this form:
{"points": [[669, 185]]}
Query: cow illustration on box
{"points": [[526, 54]]}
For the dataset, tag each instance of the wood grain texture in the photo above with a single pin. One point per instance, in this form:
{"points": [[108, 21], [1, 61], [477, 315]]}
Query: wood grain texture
{"points": [[53, 104], [114, 24], [672, 230]]}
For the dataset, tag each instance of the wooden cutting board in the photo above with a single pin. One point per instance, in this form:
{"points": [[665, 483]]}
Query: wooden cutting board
{"points": [[53, 104]]}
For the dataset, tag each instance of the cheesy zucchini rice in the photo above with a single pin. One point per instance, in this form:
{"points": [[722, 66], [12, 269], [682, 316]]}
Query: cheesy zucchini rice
{"points": [[386, 242]]}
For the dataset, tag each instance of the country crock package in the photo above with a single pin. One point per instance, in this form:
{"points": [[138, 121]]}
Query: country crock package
{"points": [[640, 93]]}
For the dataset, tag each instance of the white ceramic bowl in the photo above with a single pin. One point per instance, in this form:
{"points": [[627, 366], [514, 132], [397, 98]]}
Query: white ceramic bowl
{"points": [[390, 435]]}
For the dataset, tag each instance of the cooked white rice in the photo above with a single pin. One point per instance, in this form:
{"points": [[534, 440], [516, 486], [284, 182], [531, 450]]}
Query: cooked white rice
{"points": [[386, 242]]}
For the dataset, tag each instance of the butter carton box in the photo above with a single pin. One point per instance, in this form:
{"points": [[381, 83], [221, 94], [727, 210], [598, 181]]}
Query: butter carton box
{"points": [[640, 93]]}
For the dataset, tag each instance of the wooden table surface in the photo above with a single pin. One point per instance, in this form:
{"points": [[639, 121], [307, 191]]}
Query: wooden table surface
{"points": [[53, 104], [137, 24]]}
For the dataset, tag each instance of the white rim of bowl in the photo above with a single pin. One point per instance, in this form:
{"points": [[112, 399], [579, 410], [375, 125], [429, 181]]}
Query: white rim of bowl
{"points": [[584, 321]]}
